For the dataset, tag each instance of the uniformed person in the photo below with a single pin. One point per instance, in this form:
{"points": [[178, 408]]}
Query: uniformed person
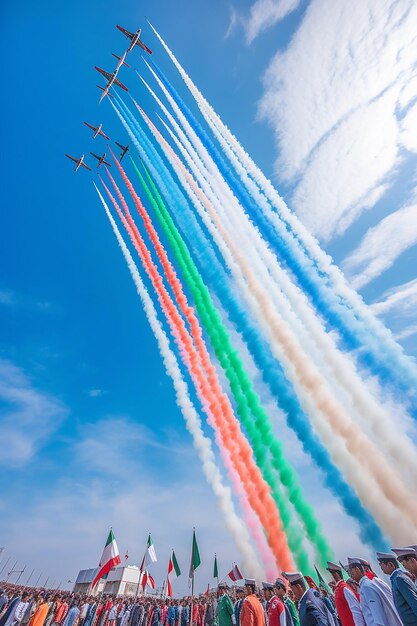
{"points": [[346, 599], [404, 591], [252, 613], [224, 607], [311, 608]]}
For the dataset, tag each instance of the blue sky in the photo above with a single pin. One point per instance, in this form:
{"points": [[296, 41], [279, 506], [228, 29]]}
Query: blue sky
{"points": [[90, 432]]}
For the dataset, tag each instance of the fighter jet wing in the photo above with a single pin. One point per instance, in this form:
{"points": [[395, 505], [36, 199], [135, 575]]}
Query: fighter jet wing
{"points": [[72, 158], [103, 135], [106, 75], [119, 84], [125, 32], [86, 166], [90, 126], [142, 45]]}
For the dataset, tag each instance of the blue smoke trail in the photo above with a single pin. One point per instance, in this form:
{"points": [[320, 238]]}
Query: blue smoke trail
{"points": [[386, 361], [272, 372]]}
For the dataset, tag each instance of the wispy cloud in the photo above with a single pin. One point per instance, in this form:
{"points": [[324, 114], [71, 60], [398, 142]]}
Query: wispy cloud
{"points": [[233, 22], [96, 393], [408, 331], [266, 13], [402, 300], [382, 245], [339, 103], [29, 416]]}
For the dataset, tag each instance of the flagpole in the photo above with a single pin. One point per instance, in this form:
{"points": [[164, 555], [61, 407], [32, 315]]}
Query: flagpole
{"points": [[141, 568]]}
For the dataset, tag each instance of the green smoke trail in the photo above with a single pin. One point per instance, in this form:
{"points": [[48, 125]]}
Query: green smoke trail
{"points": [[247, 400]]}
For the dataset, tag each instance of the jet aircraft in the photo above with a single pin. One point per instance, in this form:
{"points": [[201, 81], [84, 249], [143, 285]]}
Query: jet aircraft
{"points": [[123, 148], [135, 39], [112, 79], [97, 130], [79, 162], [101, 159]]}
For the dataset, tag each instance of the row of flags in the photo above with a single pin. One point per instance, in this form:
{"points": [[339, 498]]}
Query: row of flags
{"points": [[111, 558]]}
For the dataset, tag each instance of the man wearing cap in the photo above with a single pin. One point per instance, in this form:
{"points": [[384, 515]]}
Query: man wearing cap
{"points": [[404, 591], [275, 610], [312, 610], [224, 607], [252, 613], [408, 558], [240, 594], [346, 599], [376, 602], [290, 610]]}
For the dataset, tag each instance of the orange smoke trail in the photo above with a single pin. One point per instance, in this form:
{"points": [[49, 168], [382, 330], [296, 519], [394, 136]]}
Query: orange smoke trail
{"points": [[215, 403]]}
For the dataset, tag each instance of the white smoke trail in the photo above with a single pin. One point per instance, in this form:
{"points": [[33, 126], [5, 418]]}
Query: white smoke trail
{"points": [[320, 258], [311, 386], [337, 367], [192, 420]]}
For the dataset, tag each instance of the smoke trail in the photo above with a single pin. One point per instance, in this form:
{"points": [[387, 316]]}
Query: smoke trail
{"points": [[193, 423], [353, 319], [269, 367], [237, 377], [217, 406], [311, 386], [240, 385], [337, 366]]}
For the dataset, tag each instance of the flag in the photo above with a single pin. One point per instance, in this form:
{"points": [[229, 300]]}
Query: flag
{"points": [[173, 566], [311, 583], [322, 582], [109, 559], [195, 557], [235, 574], [147, 580], [173, 571], [150, 554], [216, 569], [127, 555], [208, 589]]}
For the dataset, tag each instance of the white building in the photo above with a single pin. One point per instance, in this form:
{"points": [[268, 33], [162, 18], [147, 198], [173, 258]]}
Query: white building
{"points": [[120, 581]]}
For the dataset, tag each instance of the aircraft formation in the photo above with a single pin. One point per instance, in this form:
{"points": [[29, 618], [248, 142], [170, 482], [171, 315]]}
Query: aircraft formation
{"points": [[112, 80]]}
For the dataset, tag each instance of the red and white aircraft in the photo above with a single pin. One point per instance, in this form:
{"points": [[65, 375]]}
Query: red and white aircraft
{"points": [[135, 39], [121, 60], [100, 159], [123, 148], [111, 78], [79, 162], [97, 130]]}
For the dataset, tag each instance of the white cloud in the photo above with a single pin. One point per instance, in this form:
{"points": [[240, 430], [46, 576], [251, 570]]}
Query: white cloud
{"points": [[382, 245], [266, 13], [28, 416], [402, 300], [233, 22], [406, 332], [335, 100], [408, 135], [96, 393]]}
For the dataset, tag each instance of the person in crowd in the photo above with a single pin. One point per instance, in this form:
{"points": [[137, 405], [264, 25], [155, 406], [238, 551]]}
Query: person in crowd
{"points": [[10, 608], [376, 601], [137, 614], [42, 608], [4, 598], [408, 558], [20, 610], [252, 613], [312, 610], [346, 599], [60, 613], [240, 596], [91, 612], [224, 607], [185, 613], [275, 610], [209, 615], [404, 591], [73, 614], [111, 621], [290, 608]]}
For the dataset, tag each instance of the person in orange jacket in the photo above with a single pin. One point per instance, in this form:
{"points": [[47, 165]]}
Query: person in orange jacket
{"points": [[252, 613]]}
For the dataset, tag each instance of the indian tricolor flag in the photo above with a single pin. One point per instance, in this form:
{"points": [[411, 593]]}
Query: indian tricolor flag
{"points": [[109, 559], [173, 572], [150, 554]]}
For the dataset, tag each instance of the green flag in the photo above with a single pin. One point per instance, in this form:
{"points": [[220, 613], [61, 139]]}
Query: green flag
{"points": [[322, 582], [195, 557], [216, 569]]}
